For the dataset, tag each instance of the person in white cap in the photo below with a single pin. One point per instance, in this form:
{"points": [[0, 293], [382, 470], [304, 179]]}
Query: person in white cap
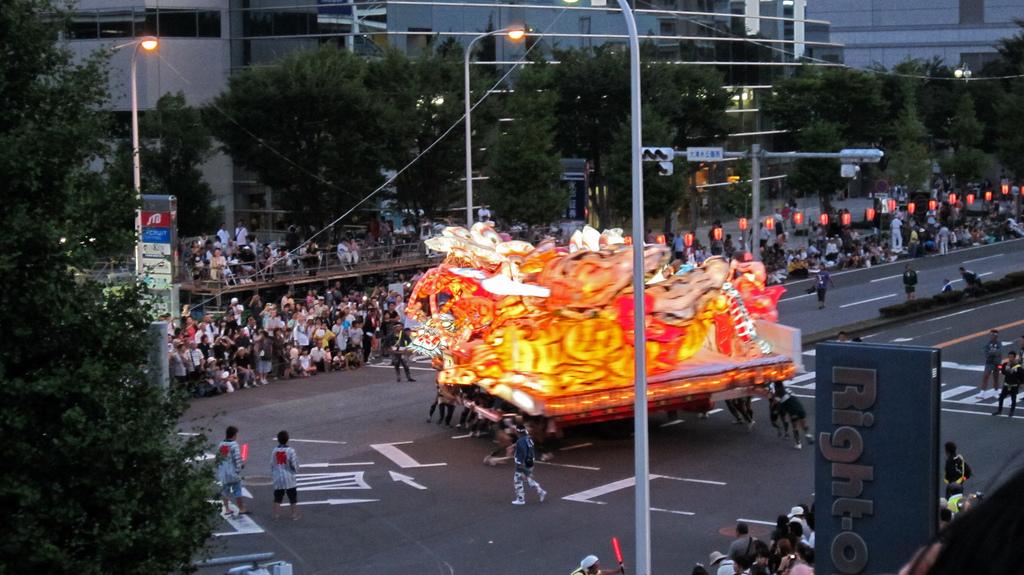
{"points": [[591, 566]]}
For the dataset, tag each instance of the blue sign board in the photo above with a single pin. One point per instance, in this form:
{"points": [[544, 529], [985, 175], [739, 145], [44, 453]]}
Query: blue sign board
{"points": [[156, 235], [876, 463]]}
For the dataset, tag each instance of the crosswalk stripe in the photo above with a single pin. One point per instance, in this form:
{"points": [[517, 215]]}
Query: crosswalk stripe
{"points": [[957, 391]]}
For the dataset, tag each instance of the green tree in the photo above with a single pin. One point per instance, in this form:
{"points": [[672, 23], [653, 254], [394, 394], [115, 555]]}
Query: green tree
{"points": [[419, 100], [174, 142], [967, 162], [908, 163], [593, 100], [525, 170], [1010, 138], [663, 195], [818, 176], [307, 127], [96, 479]]}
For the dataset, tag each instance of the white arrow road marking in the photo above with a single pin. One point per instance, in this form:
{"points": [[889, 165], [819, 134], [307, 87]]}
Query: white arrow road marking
{"points": [[399, 457], [588, 495], [323, 465], [810, 352], [395, 476], [336, 501], [331, 481], [242, 524]]}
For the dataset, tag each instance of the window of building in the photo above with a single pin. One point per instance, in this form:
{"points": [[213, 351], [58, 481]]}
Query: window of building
{"points": [[972, 11], [145, 23], [177, 23], [83, 26], [115, 24], [209, 23]]}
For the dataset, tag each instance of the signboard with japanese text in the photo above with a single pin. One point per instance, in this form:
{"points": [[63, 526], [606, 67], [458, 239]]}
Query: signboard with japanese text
{"points": [[705, 154]]}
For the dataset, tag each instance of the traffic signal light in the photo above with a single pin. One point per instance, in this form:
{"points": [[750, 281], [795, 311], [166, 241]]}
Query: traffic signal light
{"points": [[663, 156]]}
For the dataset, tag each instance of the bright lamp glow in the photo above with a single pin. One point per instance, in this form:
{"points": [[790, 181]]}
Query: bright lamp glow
{"points": [[149, 43], [516, 34]]}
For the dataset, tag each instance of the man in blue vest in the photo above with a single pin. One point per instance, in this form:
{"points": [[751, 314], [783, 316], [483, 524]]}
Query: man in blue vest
{"points": [[524, 457]]}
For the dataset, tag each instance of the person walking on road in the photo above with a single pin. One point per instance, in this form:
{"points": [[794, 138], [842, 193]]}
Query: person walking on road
{"points": [[957, 471], [399, 352], [229, 471], [790, 406], [284, 465], [993, 357], [821, 286], [524, 457], [590, 565], [1013, 376], [909, 281]]}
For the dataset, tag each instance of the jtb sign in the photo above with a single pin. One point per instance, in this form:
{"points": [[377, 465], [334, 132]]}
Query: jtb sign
{"points": [[876, 467]]}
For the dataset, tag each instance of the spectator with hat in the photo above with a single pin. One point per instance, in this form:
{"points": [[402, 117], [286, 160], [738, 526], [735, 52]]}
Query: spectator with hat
{"points": [[590, 565], [720, 564]]}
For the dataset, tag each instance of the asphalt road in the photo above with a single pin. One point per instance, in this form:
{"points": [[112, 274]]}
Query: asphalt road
{"points": [[859, 293], [385, 492]]}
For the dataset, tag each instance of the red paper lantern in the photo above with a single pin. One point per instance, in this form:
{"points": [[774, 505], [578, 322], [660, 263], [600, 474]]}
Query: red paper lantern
{"points": [[892, 205], [988, 195], [798, 218], [716, 233], [743, 224], [629, 240], [823, 219], [952, 198], [970, 198], [1005, 187], [846, 218], [911, 208], [769, 223], [660, 238], [869, 214], [933, 205], [688, 239]]}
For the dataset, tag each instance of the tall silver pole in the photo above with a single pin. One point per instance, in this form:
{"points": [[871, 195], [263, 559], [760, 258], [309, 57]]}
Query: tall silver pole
{"points": [[469, 135], [640, 451], [136, 163], [755, 187]]}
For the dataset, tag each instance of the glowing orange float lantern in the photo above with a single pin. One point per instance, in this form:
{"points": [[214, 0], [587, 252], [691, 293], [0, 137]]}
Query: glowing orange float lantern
{"points": [[629, 240], [1005, 187]]}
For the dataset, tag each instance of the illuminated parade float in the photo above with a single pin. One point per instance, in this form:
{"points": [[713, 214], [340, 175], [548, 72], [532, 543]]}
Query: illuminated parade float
{"points": [[549, 328]]}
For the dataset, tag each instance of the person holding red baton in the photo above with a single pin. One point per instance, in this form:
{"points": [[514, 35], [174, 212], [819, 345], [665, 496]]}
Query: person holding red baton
{"points": [[591, 566]]}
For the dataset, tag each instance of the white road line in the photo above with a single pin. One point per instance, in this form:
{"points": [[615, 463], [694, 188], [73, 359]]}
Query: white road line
{"points": [[337, 501], [326, 441], [803, 396], [588, 468], [462, 436], [802, 377], [671, 423], [588, 495], [962, 366], [844, 306], [577, 446], [982, 259], [949, 315], [902, 339], [757, 521], [985, 413], [326, 465], [672, 511], [714, 411], [399, 457], [865, 337], [957, 391], [187, 434], [979, 275], [689, 480], [796, 297], [879, 280], [410, 367]]}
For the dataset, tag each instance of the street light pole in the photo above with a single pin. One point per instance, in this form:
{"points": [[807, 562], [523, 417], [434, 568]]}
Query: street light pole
{"points": [[755, 192], [148, 43], [514, 34], [640, 446]]}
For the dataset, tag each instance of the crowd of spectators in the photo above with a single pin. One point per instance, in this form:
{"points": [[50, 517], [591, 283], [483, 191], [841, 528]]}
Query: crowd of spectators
{"points": [[789, 549], [257, 342], [241, 257]]}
